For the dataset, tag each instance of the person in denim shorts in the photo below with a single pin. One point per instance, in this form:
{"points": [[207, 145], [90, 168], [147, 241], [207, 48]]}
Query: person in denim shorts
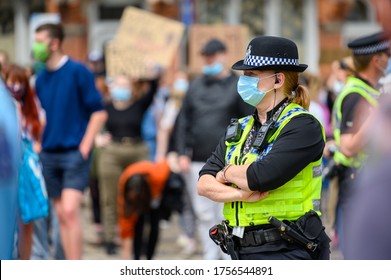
{"points": [[74, 114]]}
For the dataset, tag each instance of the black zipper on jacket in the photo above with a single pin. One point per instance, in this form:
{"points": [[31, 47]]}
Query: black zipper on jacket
{"points": [[237, 213]]}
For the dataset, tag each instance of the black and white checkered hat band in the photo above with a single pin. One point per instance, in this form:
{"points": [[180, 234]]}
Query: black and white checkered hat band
{"points": [[373, 48], [254, 60]]}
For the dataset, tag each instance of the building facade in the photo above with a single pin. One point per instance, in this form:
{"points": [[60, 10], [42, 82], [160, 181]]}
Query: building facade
{"points": [[321, 28]]}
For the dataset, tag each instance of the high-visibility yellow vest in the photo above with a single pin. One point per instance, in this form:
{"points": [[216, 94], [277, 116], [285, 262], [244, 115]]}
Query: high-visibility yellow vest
{"points": [[290, 201], [353, 85]]}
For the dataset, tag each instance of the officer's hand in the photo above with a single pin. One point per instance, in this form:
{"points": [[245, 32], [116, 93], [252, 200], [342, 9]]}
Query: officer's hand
{"points": [[250, 196], [220, 177]]}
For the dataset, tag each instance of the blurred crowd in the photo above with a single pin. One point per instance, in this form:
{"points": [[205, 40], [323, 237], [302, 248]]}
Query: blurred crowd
{"points": [[136, 145]]}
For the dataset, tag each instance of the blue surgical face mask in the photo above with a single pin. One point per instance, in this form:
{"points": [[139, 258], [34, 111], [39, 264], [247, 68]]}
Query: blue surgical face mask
{"points": [[181, 85], [337, 87], [388, 69], [213, 69], [121, 94], [248, 89]]}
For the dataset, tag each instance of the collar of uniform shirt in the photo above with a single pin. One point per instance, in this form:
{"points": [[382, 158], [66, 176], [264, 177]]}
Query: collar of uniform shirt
{"points": [[272, 111]]}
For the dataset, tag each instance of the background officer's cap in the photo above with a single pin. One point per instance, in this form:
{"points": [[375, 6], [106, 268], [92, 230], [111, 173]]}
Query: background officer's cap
{"points": [[370, 44]]}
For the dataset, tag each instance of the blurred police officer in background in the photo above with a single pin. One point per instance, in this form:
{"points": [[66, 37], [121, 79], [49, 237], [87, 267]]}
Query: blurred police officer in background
{"points": [[352, 110]]}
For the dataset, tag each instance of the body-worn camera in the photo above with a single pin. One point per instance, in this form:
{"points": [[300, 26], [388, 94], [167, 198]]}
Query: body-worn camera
{"points": [[234, 131], [263, 132]]}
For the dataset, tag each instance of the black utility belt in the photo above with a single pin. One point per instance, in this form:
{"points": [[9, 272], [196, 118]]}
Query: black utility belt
{"points": [[259, 237], [306, 232], [127, 140]]}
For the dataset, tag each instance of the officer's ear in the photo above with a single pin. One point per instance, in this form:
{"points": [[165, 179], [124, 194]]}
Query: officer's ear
{"points": [[279, 81]]}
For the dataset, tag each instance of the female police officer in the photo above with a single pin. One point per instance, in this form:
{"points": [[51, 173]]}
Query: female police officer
{"points": [[269, 163]]}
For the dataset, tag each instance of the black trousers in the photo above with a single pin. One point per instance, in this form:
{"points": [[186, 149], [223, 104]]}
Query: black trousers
{"points": [[140, 245]]}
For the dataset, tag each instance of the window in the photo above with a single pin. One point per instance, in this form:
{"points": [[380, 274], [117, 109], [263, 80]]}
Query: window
{"points": [[211, 11], [358, 11], [253, 16]]}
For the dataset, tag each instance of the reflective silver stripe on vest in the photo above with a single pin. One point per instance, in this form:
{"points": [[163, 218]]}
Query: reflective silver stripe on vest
{"points": [[316, 171]]}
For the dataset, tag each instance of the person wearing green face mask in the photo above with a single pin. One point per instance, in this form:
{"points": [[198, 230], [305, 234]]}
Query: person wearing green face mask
{"points": [[75, 113], [40, 51]]}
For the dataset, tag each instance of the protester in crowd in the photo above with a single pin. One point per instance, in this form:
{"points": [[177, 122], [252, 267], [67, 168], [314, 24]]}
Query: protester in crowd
{"points": [[269, 164], [95, 194], [341, 69], [18, 84], [9, 163], [74, 113], [96, 63], [151, 119], [209, 104], [170, 113], [97, 66], [351, 112], [140, 190], [122, 143], [318, 96], [318, 107], [166, 149]]}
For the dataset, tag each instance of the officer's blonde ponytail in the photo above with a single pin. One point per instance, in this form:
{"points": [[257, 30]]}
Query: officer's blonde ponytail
{"points": [[296, 93]]}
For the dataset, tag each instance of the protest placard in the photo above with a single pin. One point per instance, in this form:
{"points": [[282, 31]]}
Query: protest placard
{"points": [[142, 39], [235, 37]]}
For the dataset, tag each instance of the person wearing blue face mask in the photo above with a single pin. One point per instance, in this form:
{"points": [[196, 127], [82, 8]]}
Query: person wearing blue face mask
{"points": [[208, 106], [119, 94], [266, 170], [214, 53], [121, 144]]}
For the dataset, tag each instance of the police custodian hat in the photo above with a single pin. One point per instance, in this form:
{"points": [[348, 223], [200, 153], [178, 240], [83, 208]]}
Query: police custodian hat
{"points": [[271, 53], [370, 44]]}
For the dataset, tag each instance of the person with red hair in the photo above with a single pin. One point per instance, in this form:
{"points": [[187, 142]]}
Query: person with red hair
{"points": [[17, 81]]}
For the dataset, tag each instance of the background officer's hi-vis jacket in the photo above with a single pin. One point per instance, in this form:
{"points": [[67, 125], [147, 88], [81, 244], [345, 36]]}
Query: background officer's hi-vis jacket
{"points": [[353, 85]]}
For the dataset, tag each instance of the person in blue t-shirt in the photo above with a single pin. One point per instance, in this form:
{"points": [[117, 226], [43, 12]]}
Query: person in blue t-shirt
{"points": [[74, 114]]}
